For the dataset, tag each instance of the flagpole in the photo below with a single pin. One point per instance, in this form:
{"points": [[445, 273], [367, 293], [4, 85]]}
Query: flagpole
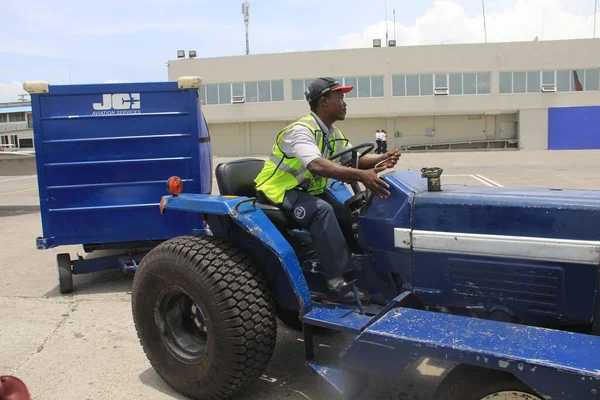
{"points": [[484, 27], [595, 12]]}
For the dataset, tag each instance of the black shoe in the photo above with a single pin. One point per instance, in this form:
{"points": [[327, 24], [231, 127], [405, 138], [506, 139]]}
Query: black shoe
{"points": [[343, 290]]}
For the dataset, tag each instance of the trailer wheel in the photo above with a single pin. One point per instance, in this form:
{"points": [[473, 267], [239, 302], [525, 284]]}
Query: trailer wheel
{"points": [[65, 274], [204, 316], [472, 383]]}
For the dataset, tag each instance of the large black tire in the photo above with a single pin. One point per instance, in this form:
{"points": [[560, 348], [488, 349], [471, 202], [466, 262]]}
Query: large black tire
{"points": [[472, 383], [204, 316]]}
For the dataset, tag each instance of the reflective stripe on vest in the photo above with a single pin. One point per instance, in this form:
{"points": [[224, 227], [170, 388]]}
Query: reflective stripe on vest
{"points": [[282, 173]]}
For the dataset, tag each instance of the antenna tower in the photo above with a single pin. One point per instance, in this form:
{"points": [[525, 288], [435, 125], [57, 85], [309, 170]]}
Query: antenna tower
{"points": [[246, 13]]}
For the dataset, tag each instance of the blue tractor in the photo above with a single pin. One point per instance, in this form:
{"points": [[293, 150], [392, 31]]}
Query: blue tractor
{"points": [[503, 281]]}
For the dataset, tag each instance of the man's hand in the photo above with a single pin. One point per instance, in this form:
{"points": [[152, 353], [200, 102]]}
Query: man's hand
{"points": [[371, 181], [391, 159]]}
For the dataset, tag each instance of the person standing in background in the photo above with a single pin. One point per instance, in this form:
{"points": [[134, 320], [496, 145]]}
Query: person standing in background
{"points": [[378, 141], [383, 141]]}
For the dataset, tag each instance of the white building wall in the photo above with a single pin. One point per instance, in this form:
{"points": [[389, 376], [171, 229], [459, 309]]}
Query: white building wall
{"points": [[533, 128], [250, 128]]}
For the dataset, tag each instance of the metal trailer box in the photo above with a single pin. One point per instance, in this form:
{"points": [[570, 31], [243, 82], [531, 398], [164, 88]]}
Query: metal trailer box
{"points": [[104, 153]]}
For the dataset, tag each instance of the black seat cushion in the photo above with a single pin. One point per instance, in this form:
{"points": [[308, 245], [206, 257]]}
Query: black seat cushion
{"points": [[236, 178]]}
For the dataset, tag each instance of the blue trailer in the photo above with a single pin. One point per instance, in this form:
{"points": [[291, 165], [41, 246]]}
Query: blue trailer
{"points": [[502, 281], [103, 154]]}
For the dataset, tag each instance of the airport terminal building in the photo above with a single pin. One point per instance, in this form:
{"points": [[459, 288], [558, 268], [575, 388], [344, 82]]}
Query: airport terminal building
{"points": [[16, 126], [520, 95]]}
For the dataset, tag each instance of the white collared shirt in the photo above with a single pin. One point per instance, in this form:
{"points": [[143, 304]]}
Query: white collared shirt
{"points": [[299, 142]]}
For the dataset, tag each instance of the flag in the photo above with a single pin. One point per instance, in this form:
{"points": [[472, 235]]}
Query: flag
{"points": [[578, 86]]}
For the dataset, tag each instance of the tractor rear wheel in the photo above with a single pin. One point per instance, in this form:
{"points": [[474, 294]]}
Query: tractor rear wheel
{"points": [[204, 316], [472, 383]]}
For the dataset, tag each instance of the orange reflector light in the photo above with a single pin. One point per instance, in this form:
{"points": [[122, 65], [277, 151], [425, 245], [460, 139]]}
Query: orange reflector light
{"points": [[175, 185]]}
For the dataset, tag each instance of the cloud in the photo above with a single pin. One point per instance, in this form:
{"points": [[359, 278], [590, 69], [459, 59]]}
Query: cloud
{"points": [[447, 22], [10, 91]]}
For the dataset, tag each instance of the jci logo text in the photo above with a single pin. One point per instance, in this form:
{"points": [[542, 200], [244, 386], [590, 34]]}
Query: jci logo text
{"points": [[123, 103]]}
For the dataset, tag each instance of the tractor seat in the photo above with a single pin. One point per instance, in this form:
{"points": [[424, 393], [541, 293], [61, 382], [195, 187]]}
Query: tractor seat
{"points": [[236, 178]]}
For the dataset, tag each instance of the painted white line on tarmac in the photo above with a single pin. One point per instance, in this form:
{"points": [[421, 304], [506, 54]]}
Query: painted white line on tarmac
{"points": [[18, 191], [16, 179], [481, 180], [491, 182]]}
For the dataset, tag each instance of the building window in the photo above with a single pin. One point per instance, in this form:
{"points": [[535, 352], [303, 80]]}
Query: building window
{"points": [[351, 82], [364, 86], [203, 95], [505, 82], [484, 85], [441, 80], [533, 82], [297, 90], [426, 85], [564, 80], [470, 83], [519, 82], [398, 85], [224, 93], [277, 90], [212, 94], [264, 91], [412, 85], [457, 84], [251, 92], [377, 86], [3, 118], [16, 117], [548, 78], [592, 79], [26, 143]]}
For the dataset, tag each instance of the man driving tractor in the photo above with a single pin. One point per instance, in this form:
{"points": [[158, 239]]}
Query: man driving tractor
{"points": [[295, 175]]}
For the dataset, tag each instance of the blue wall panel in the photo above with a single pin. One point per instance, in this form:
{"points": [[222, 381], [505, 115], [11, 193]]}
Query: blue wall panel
{"points": [[574, 128]]}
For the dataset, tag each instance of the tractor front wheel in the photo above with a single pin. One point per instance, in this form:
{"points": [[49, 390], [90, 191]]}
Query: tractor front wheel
{"points": [[204, 316]]}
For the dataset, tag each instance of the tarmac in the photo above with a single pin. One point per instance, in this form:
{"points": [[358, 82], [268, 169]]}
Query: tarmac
{"points": [[84, 346]]}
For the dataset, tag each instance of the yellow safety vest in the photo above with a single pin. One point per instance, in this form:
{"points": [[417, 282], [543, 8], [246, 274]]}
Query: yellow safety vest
{"points": [[281, 173]]}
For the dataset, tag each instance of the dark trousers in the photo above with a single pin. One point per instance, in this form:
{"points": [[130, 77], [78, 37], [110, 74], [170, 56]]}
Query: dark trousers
{"points": [[383, 146], [378, 149], [328, 222]]}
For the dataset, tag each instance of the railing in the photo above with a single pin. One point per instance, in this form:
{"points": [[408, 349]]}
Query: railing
{"points": [[14, 126], [485, 144], [8, 147]]}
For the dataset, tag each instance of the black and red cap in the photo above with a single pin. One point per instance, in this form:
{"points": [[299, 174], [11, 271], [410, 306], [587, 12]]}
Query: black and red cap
{"points": [[321, 86]]}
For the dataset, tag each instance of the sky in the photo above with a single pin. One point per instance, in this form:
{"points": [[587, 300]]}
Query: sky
{"points": [[68, 41]]}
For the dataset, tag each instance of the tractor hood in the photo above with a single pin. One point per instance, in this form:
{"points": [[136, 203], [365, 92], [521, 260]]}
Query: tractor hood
{"points": [[528, 253], [534, 212], [480, 210]]}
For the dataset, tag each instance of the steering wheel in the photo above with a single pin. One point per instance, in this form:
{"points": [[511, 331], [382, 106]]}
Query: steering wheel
{"points": [[353, 162]]}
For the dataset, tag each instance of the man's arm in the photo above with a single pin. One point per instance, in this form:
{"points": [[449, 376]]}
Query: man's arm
{"points": [[370, 162], [299, 142], [329, 169]]}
